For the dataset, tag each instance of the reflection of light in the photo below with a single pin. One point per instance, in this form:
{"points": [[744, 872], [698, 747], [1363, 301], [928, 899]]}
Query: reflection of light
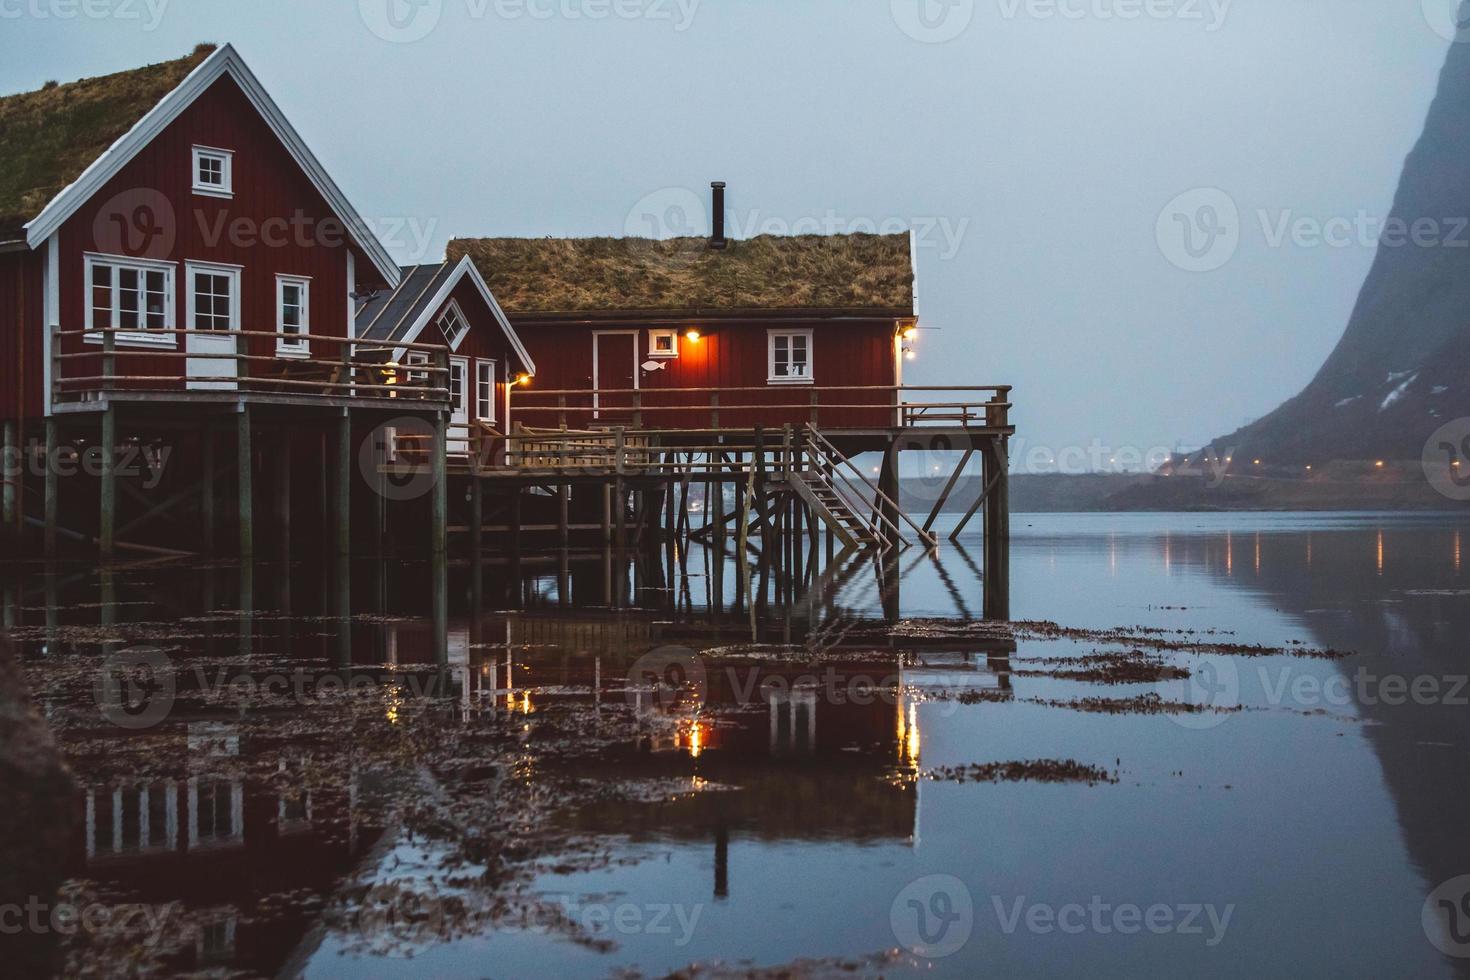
{"points": [[1229, 555], [526, 707], [395, 698], [1380, 552], [1258, 553], [908, 732], [1457, 550], [693, 737]]}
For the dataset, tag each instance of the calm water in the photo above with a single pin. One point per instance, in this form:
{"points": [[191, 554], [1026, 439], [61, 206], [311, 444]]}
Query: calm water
{"points": [[536, 816]]}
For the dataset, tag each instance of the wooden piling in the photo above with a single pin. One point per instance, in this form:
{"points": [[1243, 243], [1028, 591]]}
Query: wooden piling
{"points": [[283, 493], [206, 502], [11, 474], [246, 457], [342, 485], [107, 524], [53, 489]]}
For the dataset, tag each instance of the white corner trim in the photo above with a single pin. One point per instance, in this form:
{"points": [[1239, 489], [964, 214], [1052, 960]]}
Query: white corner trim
{"points": [[467, 268], [225, 60], [51, 321], [351, 288]]}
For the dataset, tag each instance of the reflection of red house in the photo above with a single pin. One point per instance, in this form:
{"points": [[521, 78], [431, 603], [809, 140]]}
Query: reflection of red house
{"points": [[692, 333], [204, 837]]}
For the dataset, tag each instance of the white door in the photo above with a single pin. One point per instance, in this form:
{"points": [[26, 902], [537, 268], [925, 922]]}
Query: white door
{"points": [[212, 317], [459, 401]]}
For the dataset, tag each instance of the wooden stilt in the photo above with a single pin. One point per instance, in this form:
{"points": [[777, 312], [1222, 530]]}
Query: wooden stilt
{"points": [[439, 533], [563, 514], [283, 493], [342, 485], [53, 489], [108, 483], [246, 461], [11, 473], [948, 489], [206, 500]]}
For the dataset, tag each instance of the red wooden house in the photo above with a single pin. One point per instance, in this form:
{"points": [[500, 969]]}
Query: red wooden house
{"points": [[700, 334], [175, 260], [185, 210], [449, 303]]}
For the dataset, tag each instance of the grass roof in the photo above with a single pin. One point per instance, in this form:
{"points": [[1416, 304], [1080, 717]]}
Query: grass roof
{"points": [[770, 272], [48, 137]]}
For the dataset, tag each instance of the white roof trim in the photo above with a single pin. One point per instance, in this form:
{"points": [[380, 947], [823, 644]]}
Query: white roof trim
{"points": [[467, 268], [225, 60]]}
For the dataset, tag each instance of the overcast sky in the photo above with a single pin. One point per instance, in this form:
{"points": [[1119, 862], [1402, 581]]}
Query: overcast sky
{"points": [[1039, 148]]}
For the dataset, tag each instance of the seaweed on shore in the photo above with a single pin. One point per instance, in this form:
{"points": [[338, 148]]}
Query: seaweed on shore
{"points": [[1034, 770]]}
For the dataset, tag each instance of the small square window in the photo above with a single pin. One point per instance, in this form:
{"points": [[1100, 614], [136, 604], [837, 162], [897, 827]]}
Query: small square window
{"points": [[790, 359], [663, 343], [214, 172]]}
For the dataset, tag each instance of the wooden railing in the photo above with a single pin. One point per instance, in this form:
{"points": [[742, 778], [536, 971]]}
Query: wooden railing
{"points": [[93, 364], [712, 409]]}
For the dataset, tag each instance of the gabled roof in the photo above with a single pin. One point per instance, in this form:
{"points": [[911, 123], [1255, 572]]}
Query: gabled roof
{"points": [[50, 136], [65, 142], [818, 273], [400, 315]]}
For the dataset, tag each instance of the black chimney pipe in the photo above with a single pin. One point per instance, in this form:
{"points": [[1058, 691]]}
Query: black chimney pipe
{"points": [[717, 192]]}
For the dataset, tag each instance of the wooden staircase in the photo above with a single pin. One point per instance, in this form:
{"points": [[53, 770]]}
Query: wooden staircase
{"points": [[836, 509]]}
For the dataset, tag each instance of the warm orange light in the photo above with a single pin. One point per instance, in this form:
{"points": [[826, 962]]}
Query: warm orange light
{"points": [[692, 336], [1256, 462], [522, 379], [1379, 464], [910, 333]]}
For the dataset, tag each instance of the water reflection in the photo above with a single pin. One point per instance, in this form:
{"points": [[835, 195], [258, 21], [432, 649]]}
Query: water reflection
{"points": [[792, 816]]}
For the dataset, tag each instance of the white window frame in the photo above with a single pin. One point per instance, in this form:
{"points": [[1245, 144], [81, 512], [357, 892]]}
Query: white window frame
{"points": [[657, 333], [771, 376], [231, 272], [142, 338], [485, 389], [226, 160], [289, 345], [416, 359], [452, 309]]}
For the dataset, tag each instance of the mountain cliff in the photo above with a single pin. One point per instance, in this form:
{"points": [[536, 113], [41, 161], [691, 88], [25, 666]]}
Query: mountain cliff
{"points": [[1402, 367]]}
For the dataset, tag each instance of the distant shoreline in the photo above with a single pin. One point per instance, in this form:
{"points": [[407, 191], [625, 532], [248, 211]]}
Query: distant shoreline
{"points": [[1397, 489]]}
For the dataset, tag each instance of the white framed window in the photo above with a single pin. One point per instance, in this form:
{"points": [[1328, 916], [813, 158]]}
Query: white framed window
{"points": [[213, 297], [790, 357], [453, 325], [485, 391], [663, 343], [293, 315], [133, 295], [416, 358], [214, 172]]}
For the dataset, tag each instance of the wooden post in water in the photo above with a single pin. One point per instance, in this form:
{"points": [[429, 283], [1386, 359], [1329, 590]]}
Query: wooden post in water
{"points": [[11, 475], [439, 534], [206, 483], [283, 493], [107, 525], [620, 504], [246, 456], [342, 485], [53, 489]]}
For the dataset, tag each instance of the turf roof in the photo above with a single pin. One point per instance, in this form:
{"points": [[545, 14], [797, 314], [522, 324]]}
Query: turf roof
{"points": [[771, 272], [50, 136]]}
